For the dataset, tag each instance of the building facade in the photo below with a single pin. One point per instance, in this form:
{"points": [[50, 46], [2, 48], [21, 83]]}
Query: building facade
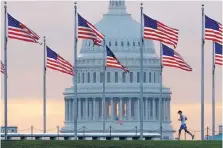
{"points": [[122, 90], [217, 136], [10, 129]]}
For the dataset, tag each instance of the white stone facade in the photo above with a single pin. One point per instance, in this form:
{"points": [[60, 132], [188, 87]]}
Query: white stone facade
{"points": [[121, 89]]}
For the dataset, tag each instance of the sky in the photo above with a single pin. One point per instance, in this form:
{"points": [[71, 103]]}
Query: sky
{"points": [[54, 19]]}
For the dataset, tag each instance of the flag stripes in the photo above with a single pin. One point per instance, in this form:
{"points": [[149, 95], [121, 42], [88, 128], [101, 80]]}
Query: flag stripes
{"points": [[173, 59], [118, 121], [218, 54], [56, 62], [156, 30], [112, 61], [88, 31], [19, 31], [2, 68], [213, 30]]}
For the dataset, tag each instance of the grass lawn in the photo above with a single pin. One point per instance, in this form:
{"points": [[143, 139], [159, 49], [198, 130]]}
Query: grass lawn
{"points": [[110, 144]]}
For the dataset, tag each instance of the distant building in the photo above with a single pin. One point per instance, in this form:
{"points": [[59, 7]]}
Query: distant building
{"points": [[122, 90], [10, 129], [216, 137]]}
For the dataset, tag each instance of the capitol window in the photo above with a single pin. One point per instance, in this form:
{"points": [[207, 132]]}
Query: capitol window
{"points": [[157, 109], [78, 78], [108, 109], [138, 43], [133, 108], [123, 77], [88, 77], [83, 77], [154, 77], [116, 3], [116, 43], [94, 77], [116, 77], [131, 77], [124, 109], [82, 108], [100, 108], [122, 43], [151, 107], [138, 77], [128, 44], [144, 77], [110, 44], [158, 78], [150, 77], [108, 77], [133, 44], [101, 77]]}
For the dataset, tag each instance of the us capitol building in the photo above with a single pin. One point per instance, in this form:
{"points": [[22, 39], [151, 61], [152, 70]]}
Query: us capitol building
{"points": [[122, 90]]}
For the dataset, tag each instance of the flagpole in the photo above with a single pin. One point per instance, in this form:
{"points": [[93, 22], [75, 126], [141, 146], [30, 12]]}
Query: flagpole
{"points": [[75, 72], [161, 90], [104, 108], [5, 75], [213, 92], [141, 77], [202, 76], [44, 85]]}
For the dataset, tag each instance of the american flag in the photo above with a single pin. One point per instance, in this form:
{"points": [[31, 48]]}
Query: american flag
{"points": [[88, 31], [112, 61], [19, 31], [156, 30], [213, 30], [218, 54], [56, 62], [173, 59], [2, 68], [118, 121]]}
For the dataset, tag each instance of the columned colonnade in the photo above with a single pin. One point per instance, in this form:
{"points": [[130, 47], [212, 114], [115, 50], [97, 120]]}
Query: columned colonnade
{"points": [[124, 108]]}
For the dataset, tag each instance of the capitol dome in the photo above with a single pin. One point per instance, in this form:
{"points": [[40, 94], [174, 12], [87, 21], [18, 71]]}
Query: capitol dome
{"points": [[122, 90]]}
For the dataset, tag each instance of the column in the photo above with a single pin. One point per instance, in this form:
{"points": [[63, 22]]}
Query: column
{"points": [[129, 109], [146, 108], [154, 108], [120, 108], [169, 109], [79, 108], [83, 109], [143, 108], [65, 100], [86, 108], [138, 109], [70, 110], [159, 109], [112, 109], [164, 109], [94, 109], [90, 109]]}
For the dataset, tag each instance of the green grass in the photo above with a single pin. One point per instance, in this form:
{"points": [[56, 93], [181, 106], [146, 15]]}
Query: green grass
{"points": [[110, 144]]}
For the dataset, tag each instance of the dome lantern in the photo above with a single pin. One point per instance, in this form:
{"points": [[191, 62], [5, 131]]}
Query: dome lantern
{"points": [[117, 7]]}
